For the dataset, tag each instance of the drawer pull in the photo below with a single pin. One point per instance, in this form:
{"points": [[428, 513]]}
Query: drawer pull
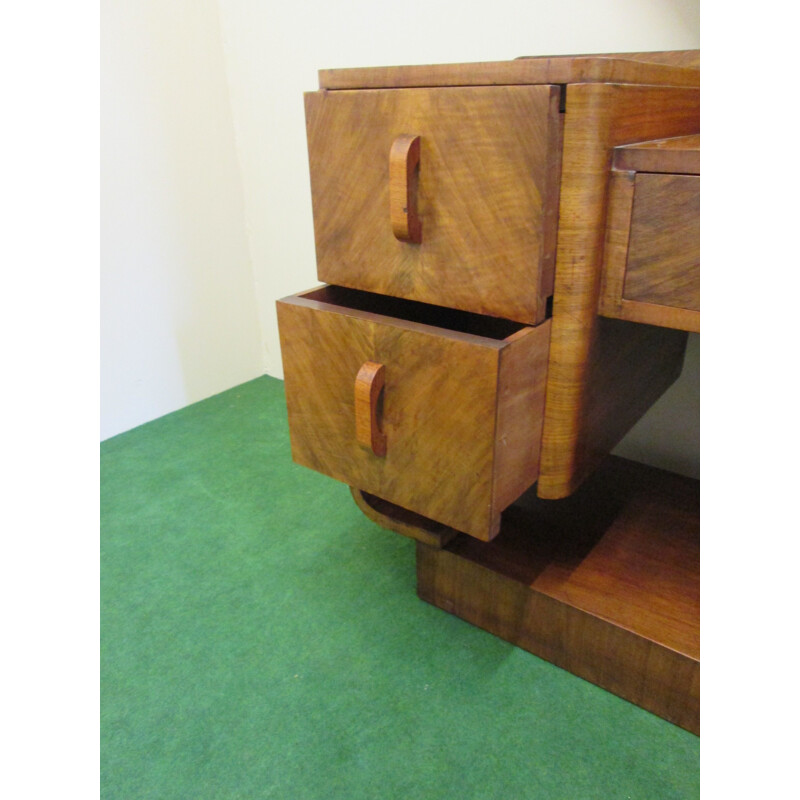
{"points": [[403, 183], [369, 385]]}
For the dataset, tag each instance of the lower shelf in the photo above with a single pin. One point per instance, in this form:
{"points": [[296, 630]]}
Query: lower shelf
{"points": [[605, 584]]}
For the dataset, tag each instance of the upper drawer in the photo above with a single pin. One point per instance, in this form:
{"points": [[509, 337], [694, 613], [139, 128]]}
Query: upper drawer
{"points": [[485, 189], [438, 411]]}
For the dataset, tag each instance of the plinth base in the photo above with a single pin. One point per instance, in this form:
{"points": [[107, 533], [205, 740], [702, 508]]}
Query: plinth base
{"points": [[605, 584]]}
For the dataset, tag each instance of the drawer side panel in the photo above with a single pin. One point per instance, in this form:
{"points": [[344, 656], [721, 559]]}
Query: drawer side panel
{"points": [[520, 411]]}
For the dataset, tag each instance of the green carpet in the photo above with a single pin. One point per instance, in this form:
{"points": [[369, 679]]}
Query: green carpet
{"points": [[261, 638]]}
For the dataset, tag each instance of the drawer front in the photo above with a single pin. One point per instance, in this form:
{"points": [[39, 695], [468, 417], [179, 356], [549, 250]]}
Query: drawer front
{"points": [[651, 260], [664, 248], [461, 413], [485, 190]]}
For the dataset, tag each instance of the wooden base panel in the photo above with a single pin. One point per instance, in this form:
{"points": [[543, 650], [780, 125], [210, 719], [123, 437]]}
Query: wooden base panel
{"points": [[604, 584]]}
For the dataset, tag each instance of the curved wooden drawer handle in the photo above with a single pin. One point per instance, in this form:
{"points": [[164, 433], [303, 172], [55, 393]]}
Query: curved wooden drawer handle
{"points": [[369, 384], [403, 184]]}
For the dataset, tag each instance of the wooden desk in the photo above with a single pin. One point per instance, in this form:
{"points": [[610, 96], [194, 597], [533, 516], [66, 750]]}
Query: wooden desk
{"points": [[511, 266]]}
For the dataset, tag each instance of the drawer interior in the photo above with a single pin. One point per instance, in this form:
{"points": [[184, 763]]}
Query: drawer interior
{"points": [[449, 319]]}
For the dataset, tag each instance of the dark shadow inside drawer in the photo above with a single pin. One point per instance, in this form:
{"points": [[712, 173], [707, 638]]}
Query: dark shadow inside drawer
{"points": [[412, 311]]}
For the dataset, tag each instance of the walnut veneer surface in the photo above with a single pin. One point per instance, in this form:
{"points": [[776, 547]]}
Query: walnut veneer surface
{"points": [[585, 413], [461, 412], [605, 584], [665, 69], [487, 231], [508, 178], [511, 256], [651, 269]]}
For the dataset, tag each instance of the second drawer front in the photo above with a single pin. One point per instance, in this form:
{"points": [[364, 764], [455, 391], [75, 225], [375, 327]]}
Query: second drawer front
{"points": [[461, 413], [664, 250], [486, 192]]}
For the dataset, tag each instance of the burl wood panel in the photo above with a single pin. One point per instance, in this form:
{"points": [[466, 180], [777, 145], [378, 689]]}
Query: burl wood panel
{"points": [[676, 69], [487, 195], [592, 399], [462, 433], [604, 584], [664, 249]]}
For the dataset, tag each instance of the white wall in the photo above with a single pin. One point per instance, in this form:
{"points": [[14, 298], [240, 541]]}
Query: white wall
{"points": [[178, 313], [272, 52]]}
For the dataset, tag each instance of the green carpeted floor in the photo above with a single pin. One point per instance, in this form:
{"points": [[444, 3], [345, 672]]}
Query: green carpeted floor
{"points": [[262, 639]]}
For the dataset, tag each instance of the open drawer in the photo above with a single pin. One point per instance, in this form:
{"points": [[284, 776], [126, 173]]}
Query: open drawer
{"points": [[435, 410], [441, 195]]}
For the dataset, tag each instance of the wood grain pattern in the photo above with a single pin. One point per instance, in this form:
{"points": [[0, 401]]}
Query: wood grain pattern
{"points": [[403, 183], [402, 521], [675, 58], [367, 391], [618, 232], [487, 195], [581, 421], [604, 584], [680, 154], [682, 319], [520, 407], [543, 70], [664, 251], [446, 458], [632, 366], [651, 270]]}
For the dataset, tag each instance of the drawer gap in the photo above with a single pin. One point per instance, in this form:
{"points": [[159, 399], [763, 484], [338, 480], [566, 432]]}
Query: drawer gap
{"points": [[413, 311]]}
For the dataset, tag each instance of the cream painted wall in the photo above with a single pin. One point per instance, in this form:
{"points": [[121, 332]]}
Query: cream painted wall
{"points": [[178, 312]]}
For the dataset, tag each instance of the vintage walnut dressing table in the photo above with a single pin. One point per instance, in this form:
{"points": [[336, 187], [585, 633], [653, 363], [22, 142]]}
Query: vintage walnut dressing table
{"points": [[510, 253]]}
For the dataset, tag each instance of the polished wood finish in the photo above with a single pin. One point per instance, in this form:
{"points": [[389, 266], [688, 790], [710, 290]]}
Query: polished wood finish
{"points": [[401, 520], [605, 584], [681, 319], [664, 249], [680, 154], [633, 365], [551, 69], [461, 414], [403, 183], [507, 168], [684, 287], [651, 270], [592, 397], [674, 58], [618, 233], [368, 387], [487, 194]]}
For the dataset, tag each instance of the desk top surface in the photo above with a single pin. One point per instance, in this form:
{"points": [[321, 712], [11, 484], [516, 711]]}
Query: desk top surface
{"points": [[663, 68]]}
